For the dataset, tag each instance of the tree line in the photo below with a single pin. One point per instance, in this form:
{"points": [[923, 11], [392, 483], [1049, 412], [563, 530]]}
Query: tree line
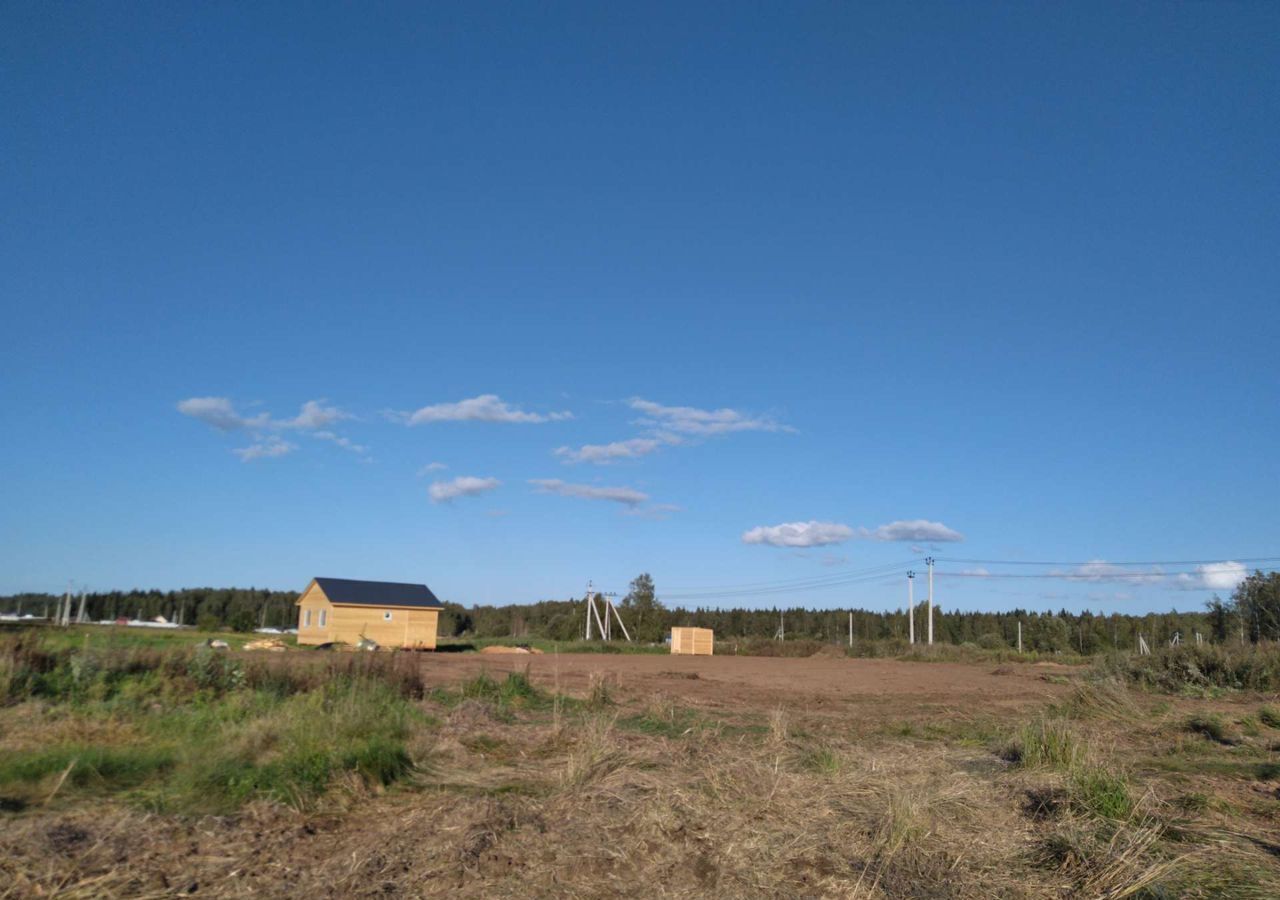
{"points": [[1252, 613]]}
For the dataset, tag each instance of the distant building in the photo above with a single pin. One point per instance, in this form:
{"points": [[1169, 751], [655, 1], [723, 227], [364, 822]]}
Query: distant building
{"points": [[693, 641], [340, 610]]}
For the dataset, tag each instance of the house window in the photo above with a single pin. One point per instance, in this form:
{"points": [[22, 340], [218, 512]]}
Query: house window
{"points": [[306, 618], [386, 616], [323, 617]]}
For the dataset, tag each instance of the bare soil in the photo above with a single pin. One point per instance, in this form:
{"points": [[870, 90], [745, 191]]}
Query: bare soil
{"points": [[766, 682]]}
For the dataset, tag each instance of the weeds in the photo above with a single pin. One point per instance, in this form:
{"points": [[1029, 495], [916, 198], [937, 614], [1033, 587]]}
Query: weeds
{"points": [[282, 734], [1255, 667], [1101, 793], [1212, 726], [1046, 742]]}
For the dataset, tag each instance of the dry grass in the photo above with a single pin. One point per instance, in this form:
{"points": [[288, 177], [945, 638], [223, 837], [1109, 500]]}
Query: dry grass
{"points": [[521, 792]]}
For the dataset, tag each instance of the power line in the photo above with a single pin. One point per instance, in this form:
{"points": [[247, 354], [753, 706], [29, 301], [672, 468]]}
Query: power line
{"points": [[838, 574], [756, 592], [817, 581], [1095, 562], [1075, 576]]}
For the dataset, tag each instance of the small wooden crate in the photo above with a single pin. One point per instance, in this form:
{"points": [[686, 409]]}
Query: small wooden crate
{"points": [[693, 641]]}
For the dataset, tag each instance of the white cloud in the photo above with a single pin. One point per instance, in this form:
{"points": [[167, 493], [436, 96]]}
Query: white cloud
{"points": [[432, 467], [979, 572], [702, 422], [462, 486], [221, 413], [315, 414], [625, 495], [913, 530], [312, 419], [344, 443], [485, 408], [799, 534], [1222, 576], [1099, 570], [265, 449], [603, 454]]}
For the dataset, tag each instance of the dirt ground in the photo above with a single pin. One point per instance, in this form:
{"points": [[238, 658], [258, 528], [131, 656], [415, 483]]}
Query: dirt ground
{"points": [[707, 777], [763, 683]]}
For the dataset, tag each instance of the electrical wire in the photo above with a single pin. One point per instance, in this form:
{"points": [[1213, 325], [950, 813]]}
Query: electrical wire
{"points": [[1094, 562], [792, 583]]}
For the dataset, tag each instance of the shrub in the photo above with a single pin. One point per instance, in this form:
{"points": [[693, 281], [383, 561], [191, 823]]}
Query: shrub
{"points": [[1255, 667], [1269, 716], [208, 622]]}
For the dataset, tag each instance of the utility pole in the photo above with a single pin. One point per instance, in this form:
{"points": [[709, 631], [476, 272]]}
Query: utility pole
{"points": [[911, 607], [1019, 635], [850, 628], [929, 560], [80, 612], [589, 605]]}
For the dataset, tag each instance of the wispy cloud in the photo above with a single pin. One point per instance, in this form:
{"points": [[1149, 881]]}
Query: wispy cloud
{"points": [[265, 449], [343, 442], [432, 467], [603, 454], [313, 418], [624, 495], [799, 534], [913, 530], [702, 422], [462, 486], [1099, 570], [315, 414], [484, 408], [221, 413], [657, 511]]}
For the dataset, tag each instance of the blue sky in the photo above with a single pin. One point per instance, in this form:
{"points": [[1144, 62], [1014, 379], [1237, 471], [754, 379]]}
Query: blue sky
{"points": [[1010, 271]]}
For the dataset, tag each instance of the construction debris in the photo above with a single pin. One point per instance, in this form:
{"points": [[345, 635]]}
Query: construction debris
{"points": [[497, 648], [274, 646]]}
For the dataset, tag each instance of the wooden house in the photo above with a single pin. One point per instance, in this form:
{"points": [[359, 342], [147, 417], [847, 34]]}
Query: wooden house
{"points": [[693, 641], [388, 613]]}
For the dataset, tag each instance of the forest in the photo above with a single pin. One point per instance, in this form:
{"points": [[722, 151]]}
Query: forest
{"points": [[1252, 613]]}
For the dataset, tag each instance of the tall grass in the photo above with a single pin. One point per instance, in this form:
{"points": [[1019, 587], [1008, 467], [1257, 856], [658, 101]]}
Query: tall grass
{"points": [[208, 731], [1253, 667], [1046, 742]]}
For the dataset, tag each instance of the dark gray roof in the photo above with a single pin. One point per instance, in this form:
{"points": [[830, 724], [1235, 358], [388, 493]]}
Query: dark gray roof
{"points": [[378, 593]]}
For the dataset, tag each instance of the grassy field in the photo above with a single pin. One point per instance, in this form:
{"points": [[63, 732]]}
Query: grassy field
{"points": [[135, 767]]}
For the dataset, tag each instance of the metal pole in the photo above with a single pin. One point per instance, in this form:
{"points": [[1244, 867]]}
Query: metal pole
{"points": [[911, 607], [930, 562]]}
